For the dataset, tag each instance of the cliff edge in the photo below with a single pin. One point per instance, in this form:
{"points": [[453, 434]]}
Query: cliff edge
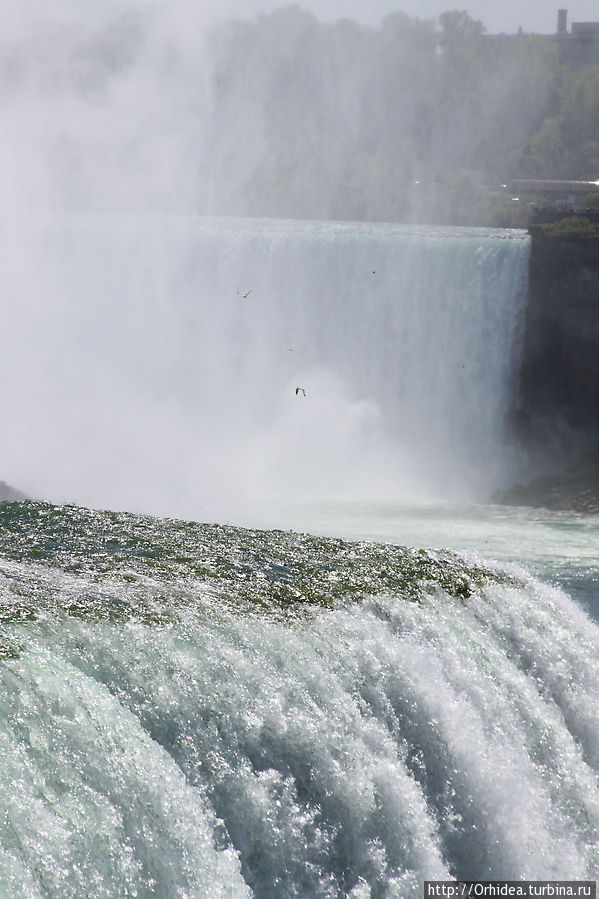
{"points": [[559, 395], [556, 419]]}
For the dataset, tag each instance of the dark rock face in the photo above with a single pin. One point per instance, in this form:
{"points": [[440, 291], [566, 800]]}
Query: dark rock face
{"points": [[556, 420], [576, 490], [559, 402], [9, 494]]}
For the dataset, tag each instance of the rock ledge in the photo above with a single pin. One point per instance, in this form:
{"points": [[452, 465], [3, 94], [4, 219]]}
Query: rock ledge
{"points": [[576, 490]]}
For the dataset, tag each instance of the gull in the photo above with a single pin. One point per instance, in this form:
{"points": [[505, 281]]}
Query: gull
{"points": [[299, 390]]}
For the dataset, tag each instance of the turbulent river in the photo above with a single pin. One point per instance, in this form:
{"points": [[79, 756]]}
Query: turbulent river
{"points": [[195, 710]]}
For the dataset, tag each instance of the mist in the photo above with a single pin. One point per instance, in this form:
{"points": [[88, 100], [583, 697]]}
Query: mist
{"points": [[102, 108], [413, 120], [140, 107], [103, 111], [135, 373]]}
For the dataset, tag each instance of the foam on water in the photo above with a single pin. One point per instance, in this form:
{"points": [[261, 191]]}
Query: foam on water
{"points": [[227, 749], [92, 805]]}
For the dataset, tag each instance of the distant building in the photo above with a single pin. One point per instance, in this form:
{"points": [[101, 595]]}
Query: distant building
{"points": [[559, 193], [580, 46]]}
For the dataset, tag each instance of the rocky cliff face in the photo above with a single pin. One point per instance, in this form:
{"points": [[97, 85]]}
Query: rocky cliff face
{"points": [[556, 420], [558, 414]]}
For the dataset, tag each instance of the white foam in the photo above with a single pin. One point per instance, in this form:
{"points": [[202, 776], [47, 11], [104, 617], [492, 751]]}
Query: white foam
{"points": [[380, 744]]}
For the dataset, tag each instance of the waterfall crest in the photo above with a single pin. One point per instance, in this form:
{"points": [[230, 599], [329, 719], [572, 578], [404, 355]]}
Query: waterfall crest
{"points": [[193, 710]]}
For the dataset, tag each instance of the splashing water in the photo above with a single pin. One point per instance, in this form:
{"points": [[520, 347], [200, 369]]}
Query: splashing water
{"points": [[190, 710]]}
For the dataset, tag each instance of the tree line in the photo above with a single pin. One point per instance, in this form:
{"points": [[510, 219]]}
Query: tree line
{"points": [[414, 120]]}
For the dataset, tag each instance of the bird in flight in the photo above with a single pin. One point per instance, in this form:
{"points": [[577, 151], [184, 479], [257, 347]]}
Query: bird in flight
{"points": [[299, 390], [244, 296]]}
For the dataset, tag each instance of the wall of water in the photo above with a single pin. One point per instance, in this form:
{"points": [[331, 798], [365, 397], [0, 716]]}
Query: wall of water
{"points": [[153, 364]]}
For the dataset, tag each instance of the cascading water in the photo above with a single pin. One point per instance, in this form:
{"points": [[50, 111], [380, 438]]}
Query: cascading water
{"points": [[194, 711], [168, 351]]}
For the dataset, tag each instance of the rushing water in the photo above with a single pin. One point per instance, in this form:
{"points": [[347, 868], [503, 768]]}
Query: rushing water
{"points": [[195, 710], [561, 548]]}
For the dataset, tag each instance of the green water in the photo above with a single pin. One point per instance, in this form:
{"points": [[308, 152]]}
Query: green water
{"points": [[560, 548]]}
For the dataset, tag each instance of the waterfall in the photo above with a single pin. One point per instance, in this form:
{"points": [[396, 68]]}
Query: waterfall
{"points": [[190, 711], [158, 360]]}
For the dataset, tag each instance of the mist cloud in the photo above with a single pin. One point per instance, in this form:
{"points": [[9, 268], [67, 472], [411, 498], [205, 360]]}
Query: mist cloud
{"points": [[103, 109], [133, 376]]}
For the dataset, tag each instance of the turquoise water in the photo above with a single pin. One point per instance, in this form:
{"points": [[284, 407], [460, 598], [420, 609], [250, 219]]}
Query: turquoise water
{"points": [[206, 710], [561, 548]]}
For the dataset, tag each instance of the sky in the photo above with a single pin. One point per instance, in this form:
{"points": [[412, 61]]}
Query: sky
{"points": [[497, 15]]}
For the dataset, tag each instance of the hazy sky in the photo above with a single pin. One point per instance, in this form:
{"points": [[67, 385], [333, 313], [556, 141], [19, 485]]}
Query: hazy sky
{"points": [[497, 15]]}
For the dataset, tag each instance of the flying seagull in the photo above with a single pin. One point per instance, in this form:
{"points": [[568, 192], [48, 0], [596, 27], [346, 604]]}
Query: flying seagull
{"points": [[244, 296], [299, 390]]}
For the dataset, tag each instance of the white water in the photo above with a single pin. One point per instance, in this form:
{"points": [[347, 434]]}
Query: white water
{"points": [[353, 753], [137, 376]]}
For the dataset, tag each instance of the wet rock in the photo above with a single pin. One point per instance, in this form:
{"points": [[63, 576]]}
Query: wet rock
{"points": [[575, 490], [9, 494], [556, 417]]}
